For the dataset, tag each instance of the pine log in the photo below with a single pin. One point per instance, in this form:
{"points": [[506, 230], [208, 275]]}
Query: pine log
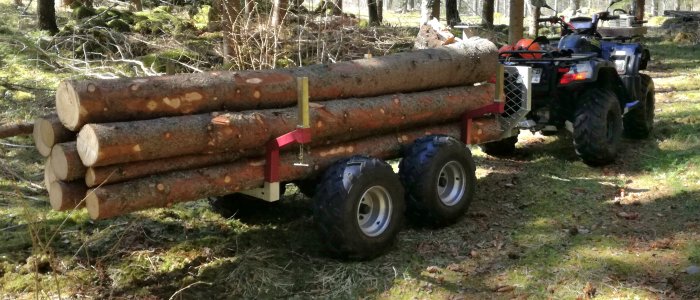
{"points": [[49, 131], [67, 195], [49, 175], [66, 163], [15, 129], [331, 121], [79, 102], [95, 176], [166, 189]]}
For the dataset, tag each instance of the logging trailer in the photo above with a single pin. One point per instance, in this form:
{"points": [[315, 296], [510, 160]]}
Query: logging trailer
{"points": [[359, 202]]}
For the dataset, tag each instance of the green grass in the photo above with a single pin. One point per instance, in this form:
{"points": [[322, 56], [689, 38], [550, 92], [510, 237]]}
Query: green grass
{"points": [[543, 224]]}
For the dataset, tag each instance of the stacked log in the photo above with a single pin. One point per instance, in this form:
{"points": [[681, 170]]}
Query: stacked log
{"points": [[151, 142]]}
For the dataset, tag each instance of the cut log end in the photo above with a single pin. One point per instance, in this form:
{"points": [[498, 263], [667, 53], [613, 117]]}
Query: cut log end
{"points": [[49, 175], [88, 145], [67, 195], [68, 106], [90, 177], [59, 162], [92, 203], [43, 140]]}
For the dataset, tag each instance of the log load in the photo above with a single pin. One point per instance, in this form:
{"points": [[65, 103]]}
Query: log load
{"points": [[99, 101], [66, 163], [49, 131], [67, 195], [331, 121], [122, 172], [166, 189]]}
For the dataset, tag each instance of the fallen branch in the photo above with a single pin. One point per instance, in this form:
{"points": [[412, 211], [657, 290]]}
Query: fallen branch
{"points": [[15, 129]]}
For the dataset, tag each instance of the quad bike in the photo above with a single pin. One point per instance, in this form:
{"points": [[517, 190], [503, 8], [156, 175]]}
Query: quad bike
{"points": [[588, 82]]}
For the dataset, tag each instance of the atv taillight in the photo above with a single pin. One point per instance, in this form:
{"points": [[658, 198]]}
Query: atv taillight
{"points": [[563, 70], [571, 77]]}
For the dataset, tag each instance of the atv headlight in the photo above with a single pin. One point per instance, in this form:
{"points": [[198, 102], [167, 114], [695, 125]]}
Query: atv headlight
{"points": [[621, 66]]}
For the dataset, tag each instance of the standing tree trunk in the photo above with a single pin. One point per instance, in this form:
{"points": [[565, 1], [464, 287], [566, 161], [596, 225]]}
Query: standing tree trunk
{"points": [[373, 13], [138, 5], [435, 9], [337, 7], [46, 14], [517, 13], [575, 5], [230, 10], [279, 10], [425, 11], [639, 9], [534, 25], [380, 10], [451, 13], [487, 13]]}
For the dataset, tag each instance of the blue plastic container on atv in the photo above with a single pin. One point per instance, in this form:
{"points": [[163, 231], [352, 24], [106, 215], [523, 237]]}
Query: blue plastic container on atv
{"points": [[587, 82]]}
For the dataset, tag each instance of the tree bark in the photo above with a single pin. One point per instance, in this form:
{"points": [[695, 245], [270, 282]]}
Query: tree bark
{"points": [[639, 9], [517, 14], [487, 13], [67, 195], [46, 16], [166, 189], [49, 131], [372, 12], [95, 176], [435, 9], [66, 163], [110, 100], [380, 11], [332, 121], [534, 25], [451, 12], [279, 10], [15, 129]]}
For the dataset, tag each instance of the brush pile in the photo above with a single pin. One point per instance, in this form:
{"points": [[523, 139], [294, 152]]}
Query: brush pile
{"points": [[122, 145]]}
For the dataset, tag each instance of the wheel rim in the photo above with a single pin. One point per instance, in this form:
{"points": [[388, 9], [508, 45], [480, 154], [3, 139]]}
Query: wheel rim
{"points": [[451, 183], [374, 211]]}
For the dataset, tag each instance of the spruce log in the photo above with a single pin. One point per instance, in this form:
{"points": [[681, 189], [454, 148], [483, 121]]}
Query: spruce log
{"points": [[49, 175], [79, 102], [67, 195], [49, 131], [15, 129], [95, 176], [66, 163], [331, 121], [166, 189]]}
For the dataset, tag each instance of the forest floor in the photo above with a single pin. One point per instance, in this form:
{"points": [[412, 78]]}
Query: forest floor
{"points": [[542, 225]]}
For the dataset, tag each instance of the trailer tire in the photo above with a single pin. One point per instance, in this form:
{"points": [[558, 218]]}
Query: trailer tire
{"points": [[639, 122], [359, 208], [597, 127], [500, 148], [238, 205], [438, 173]]}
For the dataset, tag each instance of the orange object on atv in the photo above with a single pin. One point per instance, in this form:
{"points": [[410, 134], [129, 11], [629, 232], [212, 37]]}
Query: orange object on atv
{"points": [[505, 48], [528, 44]]}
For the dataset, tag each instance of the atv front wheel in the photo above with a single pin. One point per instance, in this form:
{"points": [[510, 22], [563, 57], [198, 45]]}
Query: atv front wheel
{"points": [[639, 122], [597, 127]]}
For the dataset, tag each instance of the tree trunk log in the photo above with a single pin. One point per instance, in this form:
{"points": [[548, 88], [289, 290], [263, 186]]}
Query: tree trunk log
{"points": [[48, 131], [46, 16], [331, 121], [111, 100], [166, 189], [515, 23], [15, 129], [123, 172], [66, 163], [487, 13], [67, 195]]}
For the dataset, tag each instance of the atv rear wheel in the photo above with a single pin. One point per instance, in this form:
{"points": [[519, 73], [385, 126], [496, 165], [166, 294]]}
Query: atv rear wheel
{"points": [[499, 148], [639, 122], [359, 207], [597, 127]]}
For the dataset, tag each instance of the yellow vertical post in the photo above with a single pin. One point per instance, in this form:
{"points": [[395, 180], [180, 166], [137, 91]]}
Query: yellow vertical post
{"points": [[499, 95], [303, 102]]}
